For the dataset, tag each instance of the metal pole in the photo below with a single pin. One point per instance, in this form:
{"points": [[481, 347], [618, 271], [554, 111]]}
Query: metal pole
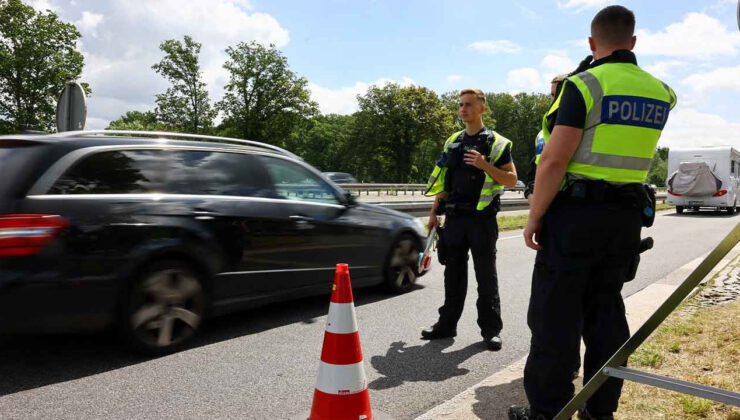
{"points": [[675, 299]]}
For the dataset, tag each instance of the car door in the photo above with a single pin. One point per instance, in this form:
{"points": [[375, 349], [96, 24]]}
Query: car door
{"points": [[315, 211]]}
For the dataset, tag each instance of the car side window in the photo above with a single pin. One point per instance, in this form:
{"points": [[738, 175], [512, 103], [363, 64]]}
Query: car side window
{"points": [[192, 172], [293, 182]]}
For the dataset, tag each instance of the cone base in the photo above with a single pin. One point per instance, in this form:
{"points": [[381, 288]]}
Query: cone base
{"points": [[377, 415]]}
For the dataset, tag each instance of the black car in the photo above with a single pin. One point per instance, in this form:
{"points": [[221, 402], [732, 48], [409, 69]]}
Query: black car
{"points": [[154, 233]]}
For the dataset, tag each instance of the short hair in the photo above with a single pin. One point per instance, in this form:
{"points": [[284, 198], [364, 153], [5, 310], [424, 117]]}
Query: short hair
{"points": [[559, 78], [613, 25], [479, 95]]}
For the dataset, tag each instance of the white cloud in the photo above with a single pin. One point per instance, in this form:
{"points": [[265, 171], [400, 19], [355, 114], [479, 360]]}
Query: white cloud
{"points": [[496, 46], [122, 40], [344, 100], [43, 5], [558, 63], [525, 79], [581, 5], [662, 69], [453, 78], [89, 22], [723, 79], [698, 36], [688, 127]]}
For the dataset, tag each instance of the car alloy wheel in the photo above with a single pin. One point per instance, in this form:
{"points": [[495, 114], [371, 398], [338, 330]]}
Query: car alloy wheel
{"points": [[166, 307], [402, 266]]}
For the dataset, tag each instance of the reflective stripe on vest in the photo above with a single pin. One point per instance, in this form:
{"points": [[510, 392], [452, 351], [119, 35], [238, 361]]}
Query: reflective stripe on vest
{"points": [[622, 125], [438, 173], [490, 187]]}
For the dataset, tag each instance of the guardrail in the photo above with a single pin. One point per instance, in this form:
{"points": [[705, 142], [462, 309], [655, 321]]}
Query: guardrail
{"points": [[422, 208], [394, 189]]}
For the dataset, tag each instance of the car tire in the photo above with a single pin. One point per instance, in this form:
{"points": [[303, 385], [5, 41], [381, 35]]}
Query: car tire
{"points": [[679, 209], [730, 210], [163, 307], [401, 269]]}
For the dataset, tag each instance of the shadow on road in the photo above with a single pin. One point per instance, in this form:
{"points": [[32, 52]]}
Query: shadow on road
{"points": [[421, 363], [492, 402], [31, 361]]}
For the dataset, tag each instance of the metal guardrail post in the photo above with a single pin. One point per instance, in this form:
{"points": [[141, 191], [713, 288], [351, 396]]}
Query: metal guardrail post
{"points": [[613, 366]]}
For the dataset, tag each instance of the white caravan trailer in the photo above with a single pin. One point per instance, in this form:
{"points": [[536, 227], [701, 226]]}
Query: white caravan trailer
{"points": [[704, 177]]}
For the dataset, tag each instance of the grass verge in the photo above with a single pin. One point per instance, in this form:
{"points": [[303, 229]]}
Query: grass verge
{"points": [[703, 348]]}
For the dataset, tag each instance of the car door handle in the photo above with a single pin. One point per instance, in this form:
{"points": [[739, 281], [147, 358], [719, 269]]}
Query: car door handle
{"points": [[203, 214], [303, 222]]}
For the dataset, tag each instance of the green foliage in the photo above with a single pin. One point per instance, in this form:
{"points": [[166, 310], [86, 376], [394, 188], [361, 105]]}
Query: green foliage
{"points": [[326, 142], [37, 57], [519, 118], [185, 105], [398, 133], [138, 121], [658, 167], [264, 99], [695, 406]]}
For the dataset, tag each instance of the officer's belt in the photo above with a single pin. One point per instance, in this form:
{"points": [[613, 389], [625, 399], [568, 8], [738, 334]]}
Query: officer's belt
{"points": [[602, 192]]}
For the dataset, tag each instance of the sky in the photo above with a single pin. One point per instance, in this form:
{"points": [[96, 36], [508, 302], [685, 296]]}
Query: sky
{"points": [[344, 46]]}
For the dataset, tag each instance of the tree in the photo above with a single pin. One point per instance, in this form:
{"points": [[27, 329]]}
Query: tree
{"points": [[185, 105], [326, 142], [519, 118], [137, 121], [264, 99], [37, 57], [658, 167], [399, 133]]}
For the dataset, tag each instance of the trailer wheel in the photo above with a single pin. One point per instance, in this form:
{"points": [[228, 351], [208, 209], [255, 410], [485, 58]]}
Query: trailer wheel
{"points": [[679, 209]]}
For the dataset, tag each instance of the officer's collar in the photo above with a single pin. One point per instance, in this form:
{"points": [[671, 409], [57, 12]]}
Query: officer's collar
{"points": [[618, 56]]}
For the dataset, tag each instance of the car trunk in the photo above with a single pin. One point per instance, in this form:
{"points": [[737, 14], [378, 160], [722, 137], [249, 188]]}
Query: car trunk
{"points": [[19, 169]]}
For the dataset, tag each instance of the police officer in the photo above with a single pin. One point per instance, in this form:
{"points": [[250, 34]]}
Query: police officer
{"points": [[467, 181], [539, 141], [586, 216]]}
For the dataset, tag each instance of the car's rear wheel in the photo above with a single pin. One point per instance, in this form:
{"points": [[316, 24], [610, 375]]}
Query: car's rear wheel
{"points": [[401, 268], [164, 307], [679, 209], [730, 210]]}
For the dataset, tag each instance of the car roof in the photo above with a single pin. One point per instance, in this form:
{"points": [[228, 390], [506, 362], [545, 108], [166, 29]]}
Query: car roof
{"points": [[93, 138]]}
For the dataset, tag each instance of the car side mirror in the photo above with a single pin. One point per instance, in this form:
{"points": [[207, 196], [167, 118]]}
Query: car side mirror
{"points": [[349, 199]]}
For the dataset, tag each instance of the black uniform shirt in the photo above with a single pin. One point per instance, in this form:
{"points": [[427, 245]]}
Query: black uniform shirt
{"points": [[466, 180]]}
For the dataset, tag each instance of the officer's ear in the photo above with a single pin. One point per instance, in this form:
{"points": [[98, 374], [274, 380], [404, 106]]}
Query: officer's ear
{"points": [[592, 44], [634, 41]]}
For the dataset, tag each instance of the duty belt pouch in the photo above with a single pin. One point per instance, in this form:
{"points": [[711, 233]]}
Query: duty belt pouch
{"points": [[632, 272], [647, 209], [441, 246]]}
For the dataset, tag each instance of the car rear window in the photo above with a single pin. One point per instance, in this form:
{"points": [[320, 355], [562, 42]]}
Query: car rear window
{"points": [[167, 172]]}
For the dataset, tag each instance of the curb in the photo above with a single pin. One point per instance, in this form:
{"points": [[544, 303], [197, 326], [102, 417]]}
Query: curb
{"points": [[492, 396]]}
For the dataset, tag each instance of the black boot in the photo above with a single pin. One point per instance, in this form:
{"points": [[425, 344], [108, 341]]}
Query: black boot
{"points": [[583, 414], [435, 332], [493, 342], [517, 412]]}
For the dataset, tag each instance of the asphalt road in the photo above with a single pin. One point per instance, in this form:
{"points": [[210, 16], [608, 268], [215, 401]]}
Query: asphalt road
{"points": [[261, 364]]}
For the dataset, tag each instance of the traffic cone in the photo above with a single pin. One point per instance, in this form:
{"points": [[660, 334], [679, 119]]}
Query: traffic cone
{"points": [[341, 388]]}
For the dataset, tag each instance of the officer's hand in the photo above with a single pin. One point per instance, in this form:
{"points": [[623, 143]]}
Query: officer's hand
{"points": [[532, 234], [433, 221], [474, 158]]}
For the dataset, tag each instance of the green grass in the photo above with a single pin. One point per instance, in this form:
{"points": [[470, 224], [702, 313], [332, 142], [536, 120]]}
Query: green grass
{"points": [[695, 406], [519, 222]]}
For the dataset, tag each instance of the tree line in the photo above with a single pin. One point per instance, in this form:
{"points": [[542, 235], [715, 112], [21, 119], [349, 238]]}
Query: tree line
{"points": [[396, 134]]}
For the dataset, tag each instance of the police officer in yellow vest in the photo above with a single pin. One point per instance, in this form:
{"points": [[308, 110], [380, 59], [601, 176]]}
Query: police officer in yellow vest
{"points": [[467, 181], [587, 211]]}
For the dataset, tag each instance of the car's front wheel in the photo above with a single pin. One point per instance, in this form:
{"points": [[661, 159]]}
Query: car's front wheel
{"points": [[164, 307], [402, 268]]}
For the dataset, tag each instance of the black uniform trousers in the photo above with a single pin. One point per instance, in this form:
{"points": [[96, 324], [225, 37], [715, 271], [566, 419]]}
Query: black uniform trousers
{"points": [[589, 251], [477, 233]]}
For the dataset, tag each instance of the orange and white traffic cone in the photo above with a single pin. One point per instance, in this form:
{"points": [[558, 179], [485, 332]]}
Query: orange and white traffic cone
{"points": [[341, 389]]}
